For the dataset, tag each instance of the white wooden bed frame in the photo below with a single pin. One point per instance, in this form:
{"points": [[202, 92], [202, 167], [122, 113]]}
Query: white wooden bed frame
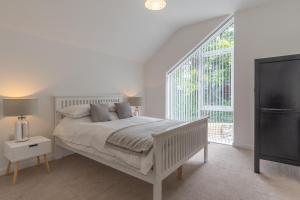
{"points": [[186, 140]]}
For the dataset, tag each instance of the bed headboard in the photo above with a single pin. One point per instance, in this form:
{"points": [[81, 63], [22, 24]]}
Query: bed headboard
{"points": [[61, 102]]}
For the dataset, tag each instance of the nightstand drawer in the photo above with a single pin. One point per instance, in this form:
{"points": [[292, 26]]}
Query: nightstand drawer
{"points": [[24, 152]]}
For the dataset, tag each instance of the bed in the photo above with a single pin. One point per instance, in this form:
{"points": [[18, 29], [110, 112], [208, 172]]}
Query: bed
{"points": [[171, 147]]}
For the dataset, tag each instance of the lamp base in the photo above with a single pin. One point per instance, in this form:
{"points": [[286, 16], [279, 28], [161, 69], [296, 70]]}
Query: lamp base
{"points": [[136, 112], [22, 132]]}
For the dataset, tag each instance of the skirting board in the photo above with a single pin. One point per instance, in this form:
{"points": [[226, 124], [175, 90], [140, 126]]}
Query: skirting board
{"points": [[243, 146]]}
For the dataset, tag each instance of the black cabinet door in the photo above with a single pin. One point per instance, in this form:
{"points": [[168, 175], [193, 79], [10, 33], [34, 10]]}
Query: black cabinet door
{"points": [[280, 85], [279, 134]]}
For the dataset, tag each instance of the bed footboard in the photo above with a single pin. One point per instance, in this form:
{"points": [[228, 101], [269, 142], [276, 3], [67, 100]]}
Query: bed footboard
{"points": [[175, 146]]}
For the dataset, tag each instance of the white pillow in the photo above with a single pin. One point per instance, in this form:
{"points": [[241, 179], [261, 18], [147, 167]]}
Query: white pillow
{"points": [[112, 107], [113, 116], [76, 111]]}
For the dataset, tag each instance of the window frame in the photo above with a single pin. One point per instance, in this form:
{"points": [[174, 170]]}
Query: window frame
{"points": [[220, 29]]}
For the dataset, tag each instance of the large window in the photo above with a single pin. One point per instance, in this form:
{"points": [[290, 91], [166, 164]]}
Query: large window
{"points": [[202, 85]]}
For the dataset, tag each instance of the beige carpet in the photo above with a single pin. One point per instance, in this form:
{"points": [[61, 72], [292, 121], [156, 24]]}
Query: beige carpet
{"points": [[227, 175]]}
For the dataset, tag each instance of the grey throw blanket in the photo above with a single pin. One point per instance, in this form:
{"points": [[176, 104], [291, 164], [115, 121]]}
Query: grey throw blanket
{"points": [[138, 138]]}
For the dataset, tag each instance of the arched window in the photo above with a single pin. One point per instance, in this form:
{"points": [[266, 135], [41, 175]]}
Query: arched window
{"points": [[202, 85]]}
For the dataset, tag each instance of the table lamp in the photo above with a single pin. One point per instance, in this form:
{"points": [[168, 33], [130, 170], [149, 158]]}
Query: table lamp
{"points": [[21, 108], [136, 102]]}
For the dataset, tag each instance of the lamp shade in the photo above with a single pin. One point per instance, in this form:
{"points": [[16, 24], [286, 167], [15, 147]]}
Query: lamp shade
{"points": [[19, 107], [135, 101]]}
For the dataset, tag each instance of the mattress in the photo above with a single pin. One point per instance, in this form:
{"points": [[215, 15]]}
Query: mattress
{"points": [[85, 136]]}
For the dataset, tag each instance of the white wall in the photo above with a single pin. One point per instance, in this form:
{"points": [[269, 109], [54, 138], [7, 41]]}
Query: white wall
{"points": [[33, 66], [267, 31], [270, 30]]}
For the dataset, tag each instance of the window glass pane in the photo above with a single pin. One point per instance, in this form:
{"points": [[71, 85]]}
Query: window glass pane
{"points": [[202, 85]]}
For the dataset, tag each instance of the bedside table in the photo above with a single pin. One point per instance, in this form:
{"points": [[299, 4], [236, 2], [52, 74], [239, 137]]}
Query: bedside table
{"points": [[17, 151]]}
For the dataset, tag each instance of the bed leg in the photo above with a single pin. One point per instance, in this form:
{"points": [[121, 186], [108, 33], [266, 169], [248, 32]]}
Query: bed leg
{"points": [[157, 190], [205, 153], [179, 173]]}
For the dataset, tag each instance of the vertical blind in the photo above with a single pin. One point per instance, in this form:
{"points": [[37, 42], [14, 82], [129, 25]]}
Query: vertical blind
{"points": [[202, 84]]}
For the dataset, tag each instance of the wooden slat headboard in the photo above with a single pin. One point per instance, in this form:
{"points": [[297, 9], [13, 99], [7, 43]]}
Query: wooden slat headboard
{"points": [[66, 101]]}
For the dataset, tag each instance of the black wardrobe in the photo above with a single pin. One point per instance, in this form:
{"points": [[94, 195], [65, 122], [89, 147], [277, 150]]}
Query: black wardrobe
{"points": [[277, 110]]}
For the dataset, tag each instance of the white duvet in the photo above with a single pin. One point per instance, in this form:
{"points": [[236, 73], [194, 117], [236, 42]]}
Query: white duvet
{"points": [[85, 135]]}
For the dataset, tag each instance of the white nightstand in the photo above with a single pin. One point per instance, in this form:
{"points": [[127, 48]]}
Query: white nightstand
{"points": [[34, 147]]}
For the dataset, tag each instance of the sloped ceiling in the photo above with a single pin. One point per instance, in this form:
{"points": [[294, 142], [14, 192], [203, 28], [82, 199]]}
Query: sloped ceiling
{"points": [[121, 28]]}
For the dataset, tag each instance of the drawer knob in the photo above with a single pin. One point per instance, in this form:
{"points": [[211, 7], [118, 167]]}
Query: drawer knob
{"points": [[33, 145]]}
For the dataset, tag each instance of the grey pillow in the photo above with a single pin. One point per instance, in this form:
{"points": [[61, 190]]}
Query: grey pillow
{"points": [[100, 113], [124, 110]]}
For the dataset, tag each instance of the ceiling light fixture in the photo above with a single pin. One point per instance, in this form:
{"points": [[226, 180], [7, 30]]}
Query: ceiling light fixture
{"points": [[155, 4]]}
